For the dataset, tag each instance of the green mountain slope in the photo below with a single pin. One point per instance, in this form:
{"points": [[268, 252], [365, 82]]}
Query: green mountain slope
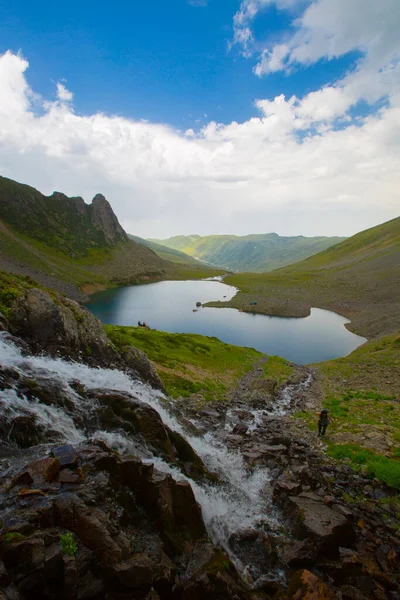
{"points": [[74, 247], [174, 256], [258, 252], [359, 278]]}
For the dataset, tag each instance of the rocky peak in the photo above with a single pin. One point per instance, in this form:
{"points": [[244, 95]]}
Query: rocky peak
{"points": [[104, 220]]}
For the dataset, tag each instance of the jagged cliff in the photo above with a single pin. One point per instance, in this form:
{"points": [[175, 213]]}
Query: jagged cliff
{"points": [[71, 246], [68, 224]]}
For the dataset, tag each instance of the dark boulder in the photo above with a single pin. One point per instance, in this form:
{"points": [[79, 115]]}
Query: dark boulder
{"points": [[311, 517], [135, 574], [67, 456], [137, 361], [72, 514]]}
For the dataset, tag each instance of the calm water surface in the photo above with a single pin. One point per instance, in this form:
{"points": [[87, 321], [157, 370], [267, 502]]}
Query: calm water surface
{"points": [[168, 306]]}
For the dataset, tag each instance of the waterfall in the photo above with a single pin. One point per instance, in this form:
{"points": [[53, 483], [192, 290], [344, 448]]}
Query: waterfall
{"points": [[241, 502]]}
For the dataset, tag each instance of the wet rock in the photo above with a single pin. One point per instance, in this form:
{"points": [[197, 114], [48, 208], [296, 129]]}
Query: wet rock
{"points": [[44, 470], [312, 518], [142, 419], [301, 554], [137, 361], [173, 506], [24, 431], [284, 488], [240, 428], [67, 456], [212, 577], [151, 426], [207, 412], [304, 585], [136, 574], [189, 459], [68, 476], [164, 576], [53, 564], [72, 514]]}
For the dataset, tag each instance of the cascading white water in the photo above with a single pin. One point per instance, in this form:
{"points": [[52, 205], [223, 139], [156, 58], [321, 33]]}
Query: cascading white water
{"points": [[281, 405], [242, 501]]}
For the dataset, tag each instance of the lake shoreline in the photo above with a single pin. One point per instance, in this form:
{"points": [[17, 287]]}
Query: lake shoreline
{"points": [[172, 306]]}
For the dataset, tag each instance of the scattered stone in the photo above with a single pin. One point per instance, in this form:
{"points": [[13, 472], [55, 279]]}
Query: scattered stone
{"points": [[44, 470], [301, 554], [68, 476], [304, 585], [66, 456], [25, 493], [240, 428]]}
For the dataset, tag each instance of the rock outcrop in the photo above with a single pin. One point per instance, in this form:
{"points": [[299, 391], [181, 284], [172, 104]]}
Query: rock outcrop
{"points": [[68, 224], [121, 530], [61, 327]]}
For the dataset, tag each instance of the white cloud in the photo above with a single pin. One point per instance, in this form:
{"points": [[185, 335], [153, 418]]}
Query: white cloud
{"points": [[288, 170], [63, 94]]}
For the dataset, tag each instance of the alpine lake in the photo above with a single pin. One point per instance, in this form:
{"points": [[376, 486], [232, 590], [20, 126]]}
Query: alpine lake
{"points": [[171, 306]]}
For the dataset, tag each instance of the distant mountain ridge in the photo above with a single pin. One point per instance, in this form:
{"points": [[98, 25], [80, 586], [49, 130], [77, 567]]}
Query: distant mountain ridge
{"points": [[255, 252], [68, 224], [358, 278]]}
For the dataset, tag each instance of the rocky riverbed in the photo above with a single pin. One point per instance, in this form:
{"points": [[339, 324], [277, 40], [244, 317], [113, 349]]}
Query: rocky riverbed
{"points": [[110, 490]]}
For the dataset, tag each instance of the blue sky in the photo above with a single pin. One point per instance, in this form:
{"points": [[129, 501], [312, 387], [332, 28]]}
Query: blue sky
{"points": [[163, 61], [209, 79]]}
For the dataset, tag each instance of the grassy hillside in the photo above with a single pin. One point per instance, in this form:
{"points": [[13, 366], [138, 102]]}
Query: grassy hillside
{"points": [[193, 364], [361, 392], [258, 253], [359, 278], [73, 247]]}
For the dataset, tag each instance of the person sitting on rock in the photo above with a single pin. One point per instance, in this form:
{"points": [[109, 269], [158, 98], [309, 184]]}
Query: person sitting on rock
{"points": [[323, 422]]}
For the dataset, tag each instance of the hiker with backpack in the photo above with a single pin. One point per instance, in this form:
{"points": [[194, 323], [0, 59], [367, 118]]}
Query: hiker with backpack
{"points": [[323, 422]]}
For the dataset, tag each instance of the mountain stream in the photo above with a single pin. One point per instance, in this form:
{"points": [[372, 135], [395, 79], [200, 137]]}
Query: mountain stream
{"points": [[243, 501]]}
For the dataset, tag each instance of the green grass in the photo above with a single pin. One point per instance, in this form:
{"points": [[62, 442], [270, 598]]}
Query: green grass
{"points": [[383, 468], [11, 288], [193, 364], [372, 368], [362, 393], [12, 537], [68, 544], [278, 368]]}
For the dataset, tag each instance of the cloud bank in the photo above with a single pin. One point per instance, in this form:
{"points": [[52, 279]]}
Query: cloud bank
{"points": [[303, 166]]}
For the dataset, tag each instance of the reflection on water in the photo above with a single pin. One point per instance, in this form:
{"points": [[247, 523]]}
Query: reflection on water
{"points": [[169, 306]]}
